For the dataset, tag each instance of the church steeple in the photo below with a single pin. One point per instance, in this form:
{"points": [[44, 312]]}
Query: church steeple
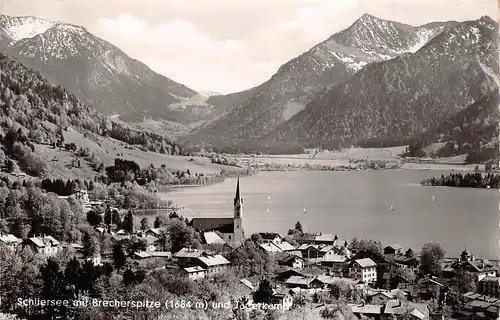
{"points": [[238, 221], [237, 197]]}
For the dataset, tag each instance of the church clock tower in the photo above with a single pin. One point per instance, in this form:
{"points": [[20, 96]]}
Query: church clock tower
{"points": [[238, 219]]}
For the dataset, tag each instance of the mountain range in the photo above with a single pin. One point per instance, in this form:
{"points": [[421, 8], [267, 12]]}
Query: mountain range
{"points": [[99, 73], [376, 83]]}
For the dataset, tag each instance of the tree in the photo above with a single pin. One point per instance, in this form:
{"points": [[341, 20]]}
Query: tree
{"points": [[119, 257], [160, 221], [94, 218], [409, 253], [181, 235], [164, 240], [128, 222], [298, 227], [116, 219], [145, 224], [256, 238], [264, 293], [91, 245], [466, 281], [108, 216], [430, 258]]}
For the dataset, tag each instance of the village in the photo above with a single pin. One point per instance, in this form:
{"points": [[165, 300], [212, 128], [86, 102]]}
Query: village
{"points": [[376, 282]]}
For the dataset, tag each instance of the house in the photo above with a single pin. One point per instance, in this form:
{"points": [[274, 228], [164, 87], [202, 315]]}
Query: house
{"points": [[481, 304], [155, 232], [382, 297], [310, 251], [331, 259], [384, 266], [140, 255], [195, 272], [213, 263], [230, 228], [325, 238], [285, 275], [187, 257], [304, 282], [152, 242], [480, 268], [270, 237], [393, 249], [82, 196], [45, 245], [284, 246], [304, 238], [367, 310], [270, 248], [489, 286], [283, 297], [409, 263], [292, 261], [364, 270], [417, 311], [10, 241]]}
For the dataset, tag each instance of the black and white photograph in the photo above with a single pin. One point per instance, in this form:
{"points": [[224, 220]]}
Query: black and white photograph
{"points": [[249, 160]]}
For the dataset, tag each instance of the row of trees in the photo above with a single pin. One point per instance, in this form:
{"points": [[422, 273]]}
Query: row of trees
{"points": [[468, 180]]}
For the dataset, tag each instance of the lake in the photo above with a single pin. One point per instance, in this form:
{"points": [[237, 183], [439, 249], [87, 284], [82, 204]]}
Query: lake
{"points": [[357, 204]]}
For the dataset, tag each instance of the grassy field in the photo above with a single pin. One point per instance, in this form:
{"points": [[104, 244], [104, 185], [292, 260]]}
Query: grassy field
{"points": [[108, 149]]}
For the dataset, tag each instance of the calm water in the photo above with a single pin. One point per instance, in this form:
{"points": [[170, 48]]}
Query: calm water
{"points": [[358, 204]]}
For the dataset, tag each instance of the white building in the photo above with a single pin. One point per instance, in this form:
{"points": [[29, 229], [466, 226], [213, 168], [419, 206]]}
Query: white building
{"points": [[46, 245], [364, 270]]}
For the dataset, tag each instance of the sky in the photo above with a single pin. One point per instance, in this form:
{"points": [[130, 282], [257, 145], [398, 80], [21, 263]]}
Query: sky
{"points": [[231, 45]]}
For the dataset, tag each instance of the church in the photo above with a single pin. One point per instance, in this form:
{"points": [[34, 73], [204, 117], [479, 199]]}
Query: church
{"points": [[230, 228]]}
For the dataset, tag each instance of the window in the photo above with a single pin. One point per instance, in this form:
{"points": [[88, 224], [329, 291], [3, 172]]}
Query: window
{"points": [[229, 237]]}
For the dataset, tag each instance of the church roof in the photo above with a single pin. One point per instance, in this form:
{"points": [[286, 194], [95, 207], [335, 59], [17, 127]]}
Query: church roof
{"points": [[223, 225]]}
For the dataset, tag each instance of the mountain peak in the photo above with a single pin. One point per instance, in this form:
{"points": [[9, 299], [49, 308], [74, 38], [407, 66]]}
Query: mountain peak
{"points": [[22, 27]]}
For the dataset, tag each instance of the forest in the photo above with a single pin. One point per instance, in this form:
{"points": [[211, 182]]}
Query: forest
{"points": [[28, 102], [468, 180]]}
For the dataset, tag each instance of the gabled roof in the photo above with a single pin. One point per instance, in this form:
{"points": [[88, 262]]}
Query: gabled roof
{"points": [[189, 253], [394, 246], [298, 280], [306, 246], [290, 258], [155, 231], [366, 309], [269, 247], [9, 238], [153, 254], [490, 279], [396, 307], [211, 261], [366, 263], [223, 225], [336, 258], [212, 238], [195, 269], [325, 237], [41, 242], [269, 235], [284, 246], [327, 248], [247, 283]]}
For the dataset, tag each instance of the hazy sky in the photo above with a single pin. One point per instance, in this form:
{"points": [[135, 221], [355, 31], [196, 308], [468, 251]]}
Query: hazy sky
{"points": [[231, 45]]}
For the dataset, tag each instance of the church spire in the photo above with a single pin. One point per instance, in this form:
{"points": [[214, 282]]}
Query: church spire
{"points": [[237, 196]]}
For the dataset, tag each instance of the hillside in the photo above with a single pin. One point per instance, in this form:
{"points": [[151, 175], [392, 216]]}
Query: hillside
{"points": [[473, 131], [333, 61], [401, 97], [98, 73], [40, 124]]}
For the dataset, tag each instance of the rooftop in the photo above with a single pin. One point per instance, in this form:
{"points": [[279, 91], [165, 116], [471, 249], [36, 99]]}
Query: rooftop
{"points": [[366, 263], [216, 260]]}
